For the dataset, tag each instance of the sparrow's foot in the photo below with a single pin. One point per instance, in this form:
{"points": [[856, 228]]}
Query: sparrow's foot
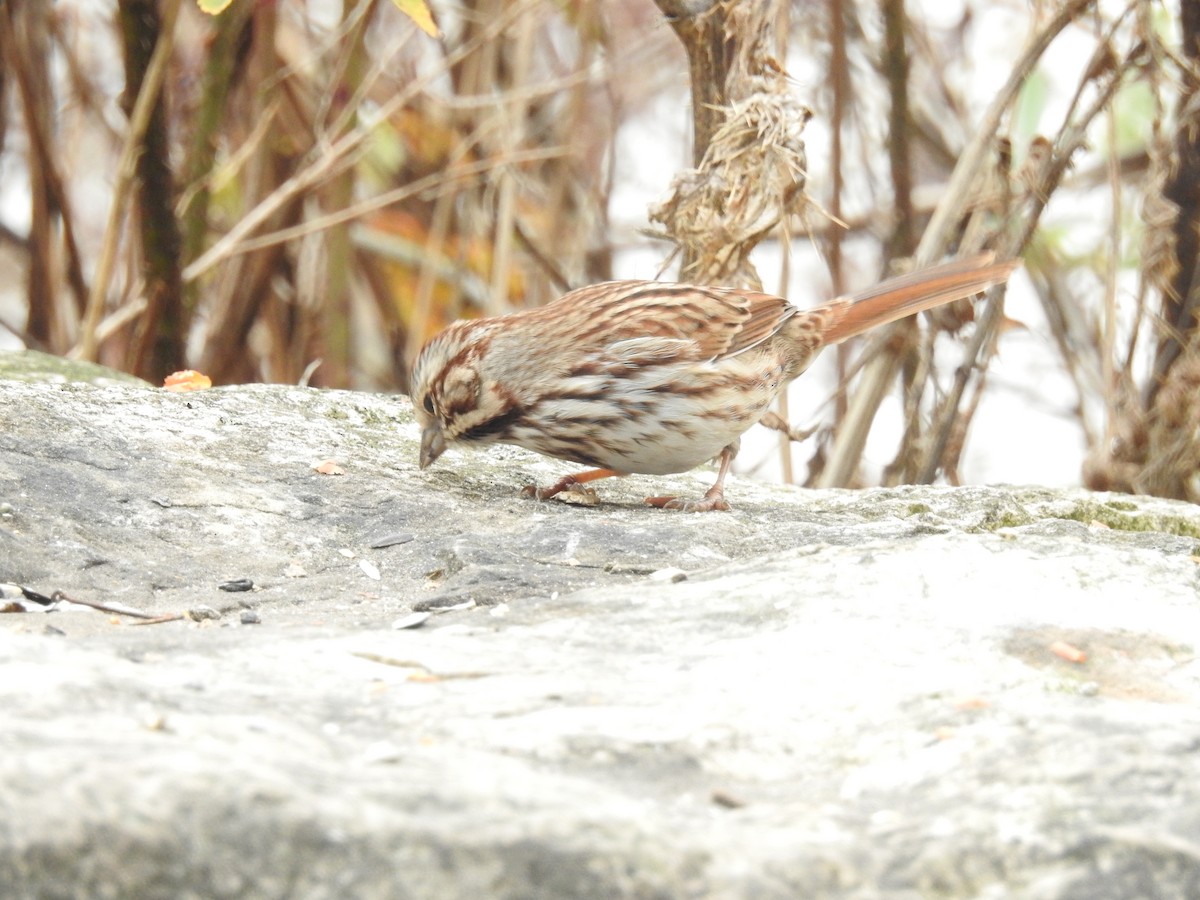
{"points": [[572, 483]]}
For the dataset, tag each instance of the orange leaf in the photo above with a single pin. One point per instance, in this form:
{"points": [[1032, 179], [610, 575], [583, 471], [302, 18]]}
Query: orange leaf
{"points": [[187, 380]]}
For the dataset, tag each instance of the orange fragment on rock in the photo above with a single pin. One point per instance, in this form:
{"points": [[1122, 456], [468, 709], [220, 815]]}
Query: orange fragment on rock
{"points": [[329, 467], [1066, 651], [972, 703], [187, 380]]}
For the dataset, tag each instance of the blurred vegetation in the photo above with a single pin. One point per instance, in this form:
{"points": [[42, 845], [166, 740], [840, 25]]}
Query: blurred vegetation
{"points": [[293, 191]]}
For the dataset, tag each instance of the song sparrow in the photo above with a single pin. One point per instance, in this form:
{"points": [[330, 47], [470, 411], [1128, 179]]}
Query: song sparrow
{"points": [[646, 377]]}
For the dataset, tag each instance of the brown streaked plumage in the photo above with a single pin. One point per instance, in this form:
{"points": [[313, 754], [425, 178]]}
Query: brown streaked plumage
{"points": [[645, 377]]}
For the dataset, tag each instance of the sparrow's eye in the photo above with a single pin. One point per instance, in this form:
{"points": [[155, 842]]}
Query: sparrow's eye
{"points": [[428, 404]]}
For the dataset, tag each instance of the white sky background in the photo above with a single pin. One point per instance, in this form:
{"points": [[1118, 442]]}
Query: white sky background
{"points": [[1025, 430]]}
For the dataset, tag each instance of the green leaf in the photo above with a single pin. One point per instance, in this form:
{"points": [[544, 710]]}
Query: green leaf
{"points": [[1133, 110], [213, 7], [1031, 103], [418, 11]]}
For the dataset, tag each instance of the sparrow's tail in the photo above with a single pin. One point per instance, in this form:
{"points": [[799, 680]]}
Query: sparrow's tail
{"points": [[912, 293]]}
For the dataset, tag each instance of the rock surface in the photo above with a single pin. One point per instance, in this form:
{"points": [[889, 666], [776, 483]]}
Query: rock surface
{"points": [[819, 694]]}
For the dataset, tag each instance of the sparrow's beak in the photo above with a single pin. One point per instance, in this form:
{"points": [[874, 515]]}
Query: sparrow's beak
{"points": [[433, 444]]}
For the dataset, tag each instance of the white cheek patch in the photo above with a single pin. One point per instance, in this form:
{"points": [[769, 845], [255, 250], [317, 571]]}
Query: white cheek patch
{"points": [[487, 418], [467, 421]]}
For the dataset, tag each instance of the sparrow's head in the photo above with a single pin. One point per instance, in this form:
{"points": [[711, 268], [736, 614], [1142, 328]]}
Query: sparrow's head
{"points": [[453, 399]]}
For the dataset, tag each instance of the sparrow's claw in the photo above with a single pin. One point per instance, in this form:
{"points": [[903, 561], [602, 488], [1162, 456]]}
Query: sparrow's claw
{"points": [[713, 501]]}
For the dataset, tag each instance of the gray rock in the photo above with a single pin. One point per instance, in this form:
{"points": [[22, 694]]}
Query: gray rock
{"points": [[819, 694]]}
